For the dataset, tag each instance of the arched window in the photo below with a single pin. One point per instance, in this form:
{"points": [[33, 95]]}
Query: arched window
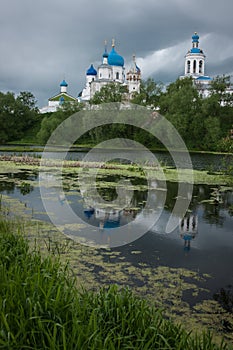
{"points": [[134, 78], [117, 75], [200, 66], [188, 67], [194, 66]]}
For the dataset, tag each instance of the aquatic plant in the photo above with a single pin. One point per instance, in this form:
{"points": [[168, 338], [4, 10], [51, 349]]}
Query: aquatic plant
{"points": [[12, 163], [25, 188]]}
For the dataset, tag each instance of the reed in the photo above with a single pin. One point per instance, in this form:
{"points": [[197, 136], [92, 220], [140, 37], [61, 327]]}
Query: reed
{"points": [[41, 307]]}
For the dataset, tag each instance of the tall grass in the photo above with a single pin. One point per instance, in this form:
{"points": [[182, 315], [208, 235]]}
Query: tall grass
{"points": [[41, 307]]}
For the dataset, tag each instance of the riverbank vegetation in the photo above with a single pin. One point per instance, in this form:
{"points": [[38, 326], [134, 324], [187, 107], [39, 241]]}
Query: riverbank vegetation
{"points": [[14, 163], [42, 306], [204, 123]]}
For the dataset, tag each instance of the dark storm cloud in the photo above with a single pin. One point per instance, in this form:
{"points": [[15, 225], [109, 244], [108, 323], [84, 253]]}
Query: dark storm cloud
{"points": [[225, 67], [43, 41]]}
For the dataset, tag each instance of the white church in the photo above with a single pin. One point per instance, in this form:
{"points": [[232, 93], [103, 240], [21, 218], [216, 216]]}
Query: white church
{"points": [[56, 101], [112, 70], [195, 67]]}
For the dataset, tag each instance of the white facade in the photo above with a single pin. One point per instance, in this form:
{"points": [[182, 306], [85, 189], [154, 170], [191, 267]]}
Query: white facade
{"points": [[63, 88], [194, 64], [48, 109]]}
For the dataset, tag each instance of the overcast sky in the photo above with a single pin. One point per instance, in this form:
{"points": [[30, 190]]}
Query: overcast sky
{"points": [[44, 41]]}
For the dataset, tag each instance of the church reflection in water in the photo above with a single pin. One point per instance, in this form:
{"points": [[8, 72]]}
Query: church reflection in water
{"points": [[188, 228], [110, 218]]}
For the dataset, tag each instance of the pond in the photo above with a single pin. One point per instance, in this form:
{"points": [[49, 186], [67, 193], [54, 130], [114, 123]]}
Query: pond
{"points": [[202, 242]]}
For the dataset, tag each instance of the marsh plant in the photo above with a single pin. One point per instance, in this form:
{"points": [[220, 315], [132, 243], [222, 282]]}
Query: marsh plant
{"points": [[42, 307], [56, 247]]}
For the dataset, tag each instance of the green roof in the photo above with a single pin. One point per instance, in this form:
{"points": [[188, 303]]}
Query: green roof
{"points": [[64, 95]]}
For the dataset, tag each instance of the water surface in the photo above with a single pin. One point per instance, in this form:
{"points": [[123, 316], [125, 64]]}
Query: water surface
{"points": [[206, 248]]}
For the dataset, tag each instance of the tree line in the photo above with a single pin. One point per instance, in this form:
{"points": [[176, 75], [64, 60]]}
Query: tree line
{"points": [[203, 123], [18, 115]]}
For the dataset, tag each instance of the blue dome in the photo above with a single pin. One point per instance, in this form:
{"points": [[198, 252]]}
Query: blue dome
{"points": [[64, 83], [195, 38], [114, 59], [91, 71]]}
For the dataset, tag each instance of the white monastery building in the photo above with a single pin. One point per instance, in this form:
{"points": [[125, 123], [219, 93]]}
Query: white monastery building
{"points": [[195, 67], [111, 70], [56, 101]]}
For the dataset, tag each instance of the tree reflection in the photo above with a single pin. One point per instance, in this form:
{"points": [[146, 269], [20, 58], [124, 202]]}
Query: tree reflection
{"points": [[225, 297], [11, 181], [25, 188], [212, 214]]}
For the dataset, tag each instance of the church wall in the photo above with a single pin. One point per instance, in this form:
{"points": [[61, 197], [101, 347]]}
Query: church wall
{"points": [[105, 72], [53, 103], [118, 74]]}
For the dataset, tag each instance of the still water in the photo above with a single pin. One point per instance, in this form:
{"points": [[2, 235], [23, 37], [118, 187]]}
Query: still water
{"points": [[203, 241], [211, 162]]}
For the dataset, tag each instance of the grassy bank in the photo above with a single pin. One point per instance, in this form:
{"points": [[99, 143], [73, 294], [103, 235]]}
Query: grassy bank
{"points": [[42, 307]]}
